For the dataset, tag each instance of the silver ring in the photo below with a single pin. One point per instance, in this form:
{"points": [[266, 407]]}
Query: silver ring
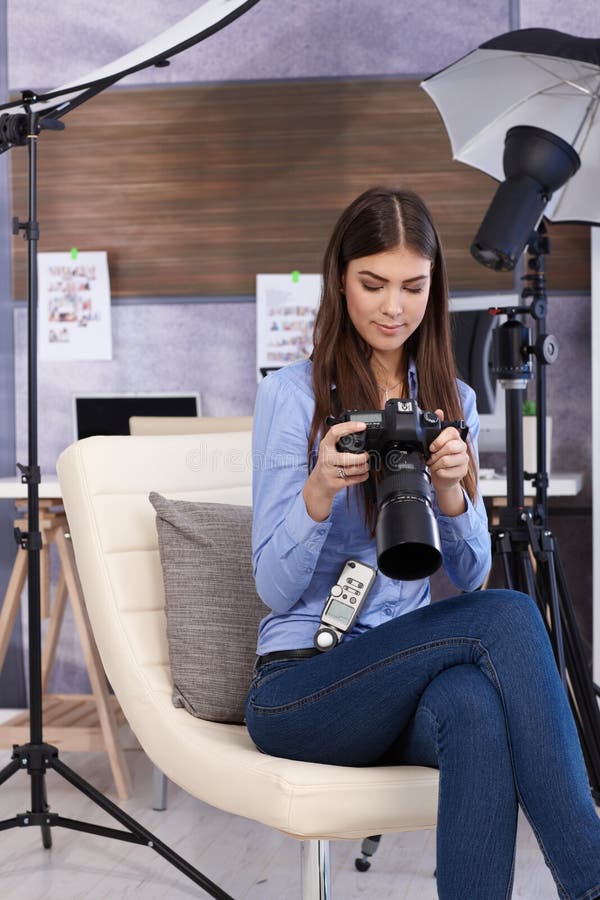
{"points": [[341, 472]]}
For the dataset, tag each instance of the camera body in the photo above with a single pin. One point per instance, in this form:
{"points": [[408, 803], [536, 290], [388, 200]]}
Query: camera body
{"points": [[400, 426], [397, 439]]}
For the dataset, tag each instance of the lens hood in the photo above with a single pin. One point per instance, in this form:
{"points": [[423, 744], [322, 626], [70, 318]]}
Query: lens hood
{"points": [[408, 540]]}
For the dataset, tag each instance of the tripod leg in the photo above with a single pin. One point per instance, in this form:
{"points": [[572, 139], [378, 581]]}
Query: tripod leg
{"points": [[29, 757], [528, 572], [501, 545], [548, 590], [136, 832], [46, 829], [582, 692], [13, 766], [35, 759]]}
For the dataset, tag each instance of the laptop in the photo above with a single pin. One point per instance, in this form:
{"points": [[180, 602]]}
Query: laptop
{"points": [[110, 413]]}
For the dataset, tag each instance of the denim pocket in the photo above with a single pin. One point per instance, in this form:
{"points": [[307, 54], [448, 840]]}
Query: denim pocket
{"points": [[267, 673]]}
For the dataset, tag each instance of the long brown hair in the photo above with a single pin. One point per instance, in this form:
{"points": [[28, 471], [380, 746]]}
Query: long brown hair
{"points": [[378, 220]]}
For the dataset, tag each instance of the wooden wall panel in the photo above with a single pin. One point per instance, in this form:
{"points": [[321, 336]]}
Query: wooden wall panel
{"points": [[193, 190]]}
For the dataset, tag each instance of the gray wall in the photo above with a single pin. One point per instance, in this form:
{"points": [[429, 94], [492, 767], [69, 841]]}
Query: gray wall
{"points": [[214, 340], [275, 39], [175, 347]]}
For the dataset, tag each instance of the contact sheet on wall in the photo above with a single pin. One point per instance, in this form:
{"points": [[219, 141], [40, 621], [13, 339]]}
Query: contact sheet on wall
{"points": [[74, 306], [286, 306]]}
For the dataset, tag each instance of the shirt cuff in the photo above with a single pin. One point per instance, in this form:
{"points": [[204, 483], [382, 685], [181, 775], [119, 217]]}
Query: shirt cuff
{"points": [[462, 527]]}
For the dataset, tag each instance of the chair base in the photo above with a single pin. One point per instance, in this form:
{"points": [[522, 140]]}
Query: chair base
{"points": [[315, 859], [316, 876], [160, 783]]}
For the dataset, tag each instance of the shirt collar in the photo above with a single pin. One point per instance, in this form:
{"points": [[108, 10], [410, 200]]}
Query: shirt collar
{"points": [[413, 381]]}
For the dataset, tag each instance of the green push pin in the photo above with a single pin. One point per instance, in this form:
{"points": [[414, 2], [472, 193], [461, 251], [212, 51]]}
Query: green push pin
{"points": [[295, 276]]}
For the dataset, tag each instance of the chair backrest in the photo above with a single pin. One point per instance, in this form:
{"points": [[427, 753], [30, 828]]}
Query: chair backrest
{"points": [[105, 482], [188, 424]]}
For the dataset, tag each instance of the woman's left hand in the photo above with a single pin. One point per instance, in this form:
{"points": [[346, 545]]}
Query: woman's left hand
{"points": [[448, 465]]}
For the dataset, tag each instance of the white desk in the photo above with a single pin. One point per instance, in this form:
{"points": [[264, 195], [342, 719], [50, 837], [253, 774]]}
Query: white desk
{"points": [[12, 488], [567, 484], [563, 484]]}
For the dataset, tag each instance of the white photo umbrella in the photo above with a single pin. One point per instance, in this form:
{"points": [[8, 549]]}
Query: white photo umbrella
{"points": [[210, 17], [535, 77]]}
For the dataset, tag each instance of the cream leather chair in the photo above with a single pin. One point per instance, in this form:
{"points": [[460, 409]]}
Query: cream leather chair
{"points": [[105, 482]]}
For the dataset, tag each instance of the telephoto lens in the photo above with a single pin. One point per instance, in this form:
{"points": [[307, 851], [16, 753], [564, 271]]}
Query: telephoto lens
{"points": [[397, 439], [407, 535]]}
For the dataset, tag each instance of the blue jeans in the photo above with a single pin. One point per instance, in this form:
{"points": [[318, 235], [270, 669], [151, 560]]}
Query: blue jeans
{"points": [[468, 685]]}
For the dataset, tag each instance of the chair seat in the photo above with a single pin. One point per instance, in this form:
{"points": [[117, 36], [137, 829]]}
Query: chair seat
{"points": [[220, 765]]}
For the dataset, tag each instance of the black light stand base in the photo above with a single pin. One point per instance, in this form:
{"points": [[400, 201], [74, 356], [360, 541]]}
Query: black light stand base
{"points": [[36, 759], [531, 564]]}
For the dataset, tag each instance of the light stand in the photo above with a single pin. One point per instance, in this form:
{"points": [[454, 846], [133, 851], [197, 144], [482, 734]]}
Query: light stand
{"points": [[21, 127], [537, 163], [522, 539], [36, 757]]}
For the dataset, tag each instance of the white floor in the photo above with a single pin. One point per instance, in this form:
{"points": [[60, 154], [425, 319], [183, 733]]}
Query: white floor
{"points": [[249, 861]]}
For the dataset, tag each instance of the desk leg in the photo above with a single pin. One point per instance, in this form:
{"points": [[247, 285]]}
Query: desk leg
{"points": [[57, 610], [12, 601], [94, 667], [45, 578]]}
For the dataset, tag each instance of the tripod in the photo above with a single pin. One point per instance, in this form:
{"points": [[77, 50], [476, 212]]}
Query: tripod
{"points": [[22, 128], [522, 540], [37, 757], [522, 536]]}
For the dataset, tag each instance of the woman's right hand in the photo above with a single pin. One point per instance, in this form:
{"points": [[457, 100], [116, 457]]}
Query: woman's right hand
{"points": [[334, 471]]}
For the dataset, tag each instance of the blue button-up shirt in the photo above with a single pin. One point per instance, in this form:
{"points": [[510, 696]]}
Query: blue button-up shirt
{"points": [[297, 560]]}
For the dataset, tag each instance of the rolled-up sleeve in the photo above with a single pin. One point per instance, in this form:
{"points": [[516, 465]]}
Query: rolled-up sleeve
{"points": [[286, 542], [465, 539]]}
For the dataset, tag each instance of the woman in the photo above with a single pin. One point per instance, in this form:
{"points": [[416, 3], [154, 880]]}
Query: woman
{"points": [[468, 684]]}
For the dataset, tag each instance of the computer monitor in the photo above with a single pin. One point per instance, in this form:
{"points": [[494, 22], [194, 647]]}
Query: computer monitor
{"points": [[110, 413], [472, 330]]}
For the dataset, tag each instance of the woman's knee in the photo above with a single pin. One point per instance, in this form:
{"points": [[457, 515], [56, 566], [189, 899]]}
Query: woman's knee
{"points": [[505, 597], [464, 699], [512, 609]]}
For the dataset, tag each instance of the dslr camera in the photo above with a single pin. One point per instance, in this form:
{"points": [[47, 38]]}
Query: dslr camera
{"points": [[397, 439]]}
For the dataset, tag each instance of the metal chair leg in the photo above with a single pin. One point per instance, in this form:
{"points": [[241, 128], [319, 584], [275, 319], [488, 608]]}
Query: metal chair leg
{"points": [[159, 786], [368, 848], [316, 880]]}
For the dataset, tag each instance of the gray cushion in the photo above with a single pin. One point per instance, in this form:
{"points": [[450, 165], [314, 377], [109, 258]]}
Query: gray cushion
{"points": [[212, 606]]}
